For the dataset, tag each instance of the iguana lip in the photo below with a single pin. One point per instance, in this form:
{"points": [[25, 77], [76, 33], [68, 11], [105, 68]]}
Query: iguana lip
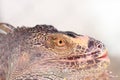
{"points": [[104, 57]]}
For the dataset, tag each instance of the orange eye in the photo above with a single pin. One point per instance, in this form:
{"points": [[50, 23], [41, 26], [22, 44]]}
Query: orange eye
{"points": [[60, 43]]}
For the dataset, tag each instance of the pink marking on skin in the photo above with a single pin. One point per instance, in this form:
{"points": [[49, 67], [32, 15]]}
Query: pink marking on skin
{"points": [[104, 56]]}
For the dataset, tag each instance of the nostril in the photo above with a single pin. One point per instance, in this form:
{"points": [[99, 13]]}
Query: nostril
{"points": [[100, 46]]}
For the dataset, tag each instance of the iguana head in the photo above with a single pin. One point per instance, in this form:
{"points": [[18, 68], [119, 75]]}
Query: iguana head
{"points": [[43, 53]]}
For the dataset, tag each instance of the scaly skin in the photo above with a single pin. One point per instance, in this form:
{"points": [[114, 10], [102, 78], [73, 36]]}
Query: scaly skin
{"points": [[44, 53]]}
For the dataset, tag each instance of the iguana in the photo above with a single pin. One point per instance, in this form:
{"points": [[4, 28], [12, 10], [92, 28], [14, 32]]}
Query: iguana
{"points": [[45, 53]]}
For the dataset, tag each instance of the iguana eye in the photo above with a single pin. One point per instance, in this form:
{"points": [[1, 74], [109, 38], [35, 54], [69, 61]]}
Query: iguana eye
{"points": [[60, 42], [57, 41]]}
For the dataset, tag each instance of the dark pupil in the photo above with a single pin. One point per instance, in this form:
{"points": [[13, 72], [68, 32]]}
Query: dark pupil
{"points": [[60, 41]]}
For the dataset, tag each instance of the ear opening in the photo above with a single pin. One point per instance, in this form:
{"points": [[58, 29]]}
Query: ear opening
{"points": [[6, 28]]}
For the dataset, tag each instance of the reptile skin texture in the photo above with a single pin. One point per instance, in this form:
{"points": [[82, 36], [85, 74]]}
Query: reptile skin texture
{"points": [[44, 53]]}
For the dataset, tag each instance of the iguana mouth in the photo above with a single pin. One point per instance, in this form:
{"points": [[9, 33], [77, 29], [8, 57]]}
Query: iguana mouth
{"points": [[103, 56], [85, 61], [81, 57]]}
